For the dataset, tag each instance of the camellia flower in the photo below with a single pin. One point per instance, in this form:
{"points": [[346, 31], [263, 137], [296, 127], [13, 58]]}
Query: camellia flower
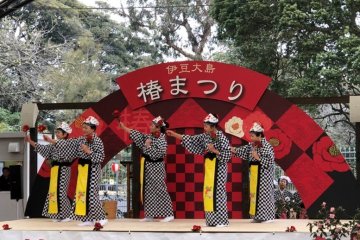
{"points": [[196, 228], [328, 157], [279, 141], [116, 114], [234, 126], [25, 128], [332, 209], [6, 227], [331, 215], [41, 128], [97, 226]]}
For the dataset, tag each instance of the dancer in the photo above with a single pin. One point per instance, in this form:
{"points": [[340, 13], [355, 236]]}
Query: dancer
{"points": [[154, 194], [215, 147], [260, 155], [57, 205], [90, 150]]}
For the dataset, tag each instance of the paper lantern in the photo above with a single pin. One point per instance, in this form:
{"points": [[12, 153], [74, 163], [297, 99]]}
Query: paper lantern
{"points": [[115, 167]]}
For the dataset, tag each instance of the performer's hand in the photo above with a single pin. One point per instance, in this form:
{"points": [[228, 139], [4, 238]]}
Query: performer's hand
{"points": [[255, 155], [212, 149], [121, 125], [86, 149], [49, 139], [27, 138], [48, 162], [170, 133], [148, 143], [233, 150]]}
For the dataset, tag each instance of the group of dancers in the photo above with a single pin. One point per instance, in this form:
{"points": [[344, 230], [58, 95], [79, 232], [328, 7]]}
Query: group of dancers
{"points": [[212, 144]]}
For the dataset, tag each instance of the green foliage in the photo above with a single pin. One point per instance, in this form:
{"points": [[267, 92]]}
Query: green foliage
{"points": [[312, 47], [9, 121]]}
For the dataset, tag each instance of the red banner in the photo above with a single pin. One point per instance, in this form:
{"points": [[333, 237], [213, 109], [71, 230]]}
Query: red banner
{"points": [[195, 79]]}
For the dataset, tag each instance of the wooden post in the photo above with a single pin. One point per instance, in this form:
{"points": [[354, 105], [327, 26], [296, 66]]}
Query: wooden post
{"points": [[135, 156], [357, 142], [32, 160]]}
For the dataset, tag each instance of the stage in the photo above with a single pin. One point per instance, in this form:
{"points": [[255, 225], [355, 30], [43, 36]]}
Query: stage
{"points": [[45, 229]]}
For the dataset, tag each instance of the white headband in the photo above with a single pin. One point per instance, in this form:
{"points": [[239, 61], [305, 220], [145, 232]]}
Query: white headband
{"points": [[64, 126], [211, 119], [285, 178], [91, 120], [159, 121], [256, 128]]}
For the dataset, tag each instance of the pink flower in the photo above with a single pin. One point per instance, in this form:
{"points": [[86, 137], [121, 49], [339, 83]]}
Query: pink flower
{"points": [[332, 209], [323, 205], [331, 215], [319, 225]]}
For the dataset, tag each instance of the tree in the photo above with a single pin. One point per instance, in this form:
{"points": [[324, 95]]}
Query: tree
{"points": [[25, 56], [177, 28], [309, 48]]}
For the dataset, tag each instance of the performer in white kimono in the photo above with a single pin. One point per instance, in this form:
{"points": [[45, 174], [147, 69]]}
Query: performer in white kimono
{"points": [[90, 150], [154, 194], [260, 155], [215, 147], [57, 205]]}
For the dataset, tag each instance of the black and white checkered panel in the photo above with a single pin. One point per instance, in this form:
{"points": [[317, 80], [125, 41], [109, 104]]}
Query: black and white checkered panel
{"points": [[44, 150], [222, 144], [266, 154], [157, 201], [138, 138], [157, 148], [243, 152], [195, 144], [67, 150]]}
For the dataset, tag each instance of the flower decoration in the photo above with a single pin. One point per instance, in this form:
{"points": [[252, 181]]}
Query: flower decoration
{"points": [[279, 141], [259, 117], [234, 126], [156, 134], [116, 114], [25, 128], [290, 229], [329, 226], [89, 138], [97, 226], [41, 128], [328, 157], [256, 144], [212, 135], [6, 227], [196, 228]]}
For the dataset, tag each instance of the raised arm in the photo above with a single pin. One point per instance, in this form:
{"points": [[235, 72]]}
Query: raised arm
{"points": [[242, 152]]}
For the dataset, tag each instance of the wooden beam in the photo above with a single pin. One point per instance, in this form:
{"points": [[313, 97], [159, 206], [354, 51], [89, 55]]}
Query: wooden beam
{"points": [[319, 100], [63, 106]]}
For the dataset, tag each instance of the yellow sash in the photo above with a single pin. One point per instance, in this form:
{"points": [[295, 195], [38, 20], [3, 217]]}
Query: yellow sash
{"points": [[53, 190], [254, 181], [142, 168], [81, 190], [209, 184]]}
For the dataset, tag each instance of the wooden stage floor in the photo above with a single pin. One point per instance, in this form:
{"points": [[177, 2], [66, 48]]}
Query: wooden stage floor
{"points": [[178, 225]]}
